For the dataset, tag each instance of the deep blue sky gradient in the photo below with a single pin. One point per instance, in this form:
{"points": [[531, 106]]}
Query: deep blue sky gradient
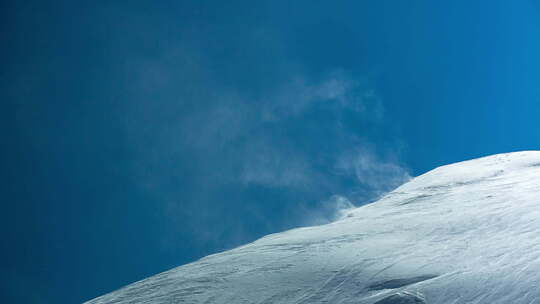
{"points": [[134, 137]]}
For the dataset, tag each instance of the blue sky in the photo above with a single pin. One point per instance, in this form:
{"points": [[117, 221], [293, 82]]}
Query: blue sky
{"points": [[144, 135]]}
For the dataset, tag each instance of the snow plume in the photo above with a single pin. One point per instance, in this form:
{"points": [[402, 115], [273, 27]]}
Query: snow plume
{"points": [[329, 210], [242, 166], [278, 162], [337, 90], [282, 161], [225, 164], [375, 176]]}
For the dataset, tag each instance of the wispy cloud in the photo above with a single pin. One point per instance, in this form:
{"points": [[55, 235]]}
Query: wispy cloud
{"points": [[265, 164], [329, 210], [307, 145], [375, 175], [337, 89], [278, 163]]}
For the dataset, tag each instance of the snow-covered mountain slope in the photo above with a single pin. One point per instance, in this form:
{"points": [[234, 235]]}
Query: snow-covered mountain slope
{"points": [[463, 233]]}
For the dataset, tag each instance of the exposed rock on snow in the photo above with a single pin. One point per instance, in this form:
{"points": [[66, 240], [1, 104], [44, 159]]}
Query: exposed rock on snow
{"points": [[463, 233]]}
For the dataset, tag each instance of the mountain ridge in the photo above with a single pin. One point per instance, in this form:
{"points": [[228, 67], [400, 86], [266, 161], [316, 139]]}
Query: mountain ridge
{"points": [[467, 232]]}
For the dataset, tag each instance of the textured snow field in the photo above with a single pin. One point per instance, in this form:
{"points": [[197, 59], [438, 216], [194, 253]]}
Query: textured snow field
{"points": [[462, 233]]}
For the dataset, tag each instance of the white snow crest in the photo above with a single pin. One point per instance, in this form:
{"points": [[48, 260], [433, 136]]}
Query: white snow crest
{"points": [[462, 233]]}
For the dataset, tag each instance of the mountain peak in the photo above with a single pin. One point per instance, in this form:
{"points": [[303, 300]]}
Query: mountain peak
{"points": [[461, 233], [470, 171]]}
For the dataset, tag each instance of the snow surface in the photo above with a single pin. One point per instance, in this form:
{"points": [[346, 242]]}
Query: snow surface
{"points": [[462, 233]]}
